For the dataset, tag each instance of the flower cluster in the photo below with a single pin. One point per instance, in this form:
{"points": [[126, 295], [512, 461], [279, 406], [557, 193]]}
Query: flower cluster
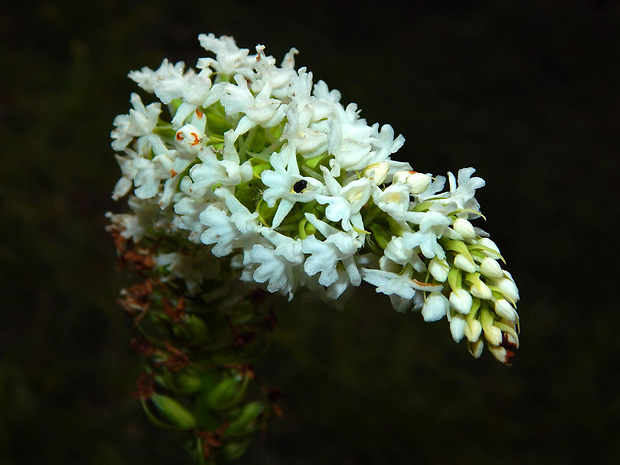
{"points": [[257, 163]]}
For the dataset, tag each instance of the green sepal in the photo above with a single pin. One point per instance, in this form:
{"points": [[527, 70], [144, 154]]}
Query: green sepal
{"points": [[455, 278], [312, 163], [165, 130], [457, 246], [482, 248], [381, 235]]}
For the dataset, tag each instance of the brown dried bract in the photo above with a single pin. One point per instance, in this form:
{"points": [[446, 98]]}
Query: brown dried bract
{"points": [[175, 313], [142, 346], [144, 387], [211, 440], [176, 359], [137, 299]]}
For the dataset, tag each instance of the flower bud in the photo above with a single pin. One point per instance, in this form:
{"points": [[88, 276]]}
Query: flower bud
{"points": [[232, 450], [475, 348], [377, 172], [508, 288], [491, 268], [439, 269], [227, 393], [457, 327], [462, 262], [472, 330], [464, 228], [489, 244], [418, 182], [493, 334], [505, 310], [435, 307], [480, 289], [461, 301], [178, 416], [244, 418], [500, 353]]}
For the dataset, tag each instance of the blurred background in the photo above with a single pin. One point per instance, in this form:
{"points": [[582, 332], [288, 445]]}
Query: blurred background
{"points": [[528, 92]]}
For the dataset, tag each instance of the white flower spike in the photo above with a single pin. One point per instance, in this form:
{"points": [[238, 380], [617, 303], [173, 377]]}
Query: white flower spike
{"points": [[258, 166]]}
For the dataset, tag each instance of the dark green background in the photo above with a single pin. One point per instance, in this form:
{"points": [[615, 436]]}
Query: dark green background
{"points": [[528, 92]]}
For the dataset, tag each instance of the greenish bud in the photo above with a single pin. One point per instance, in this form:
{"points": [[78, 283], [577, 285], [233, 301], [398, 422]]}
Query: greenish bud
{"points": [[227, 393], [197, 329], [177, 415], [235, 449], [186, 381], [245, 418]]}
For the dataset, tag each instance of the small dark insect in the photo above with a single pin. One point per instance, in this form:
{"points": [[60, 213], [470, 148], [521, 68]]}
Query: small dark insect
{"points": [[299, 186]]}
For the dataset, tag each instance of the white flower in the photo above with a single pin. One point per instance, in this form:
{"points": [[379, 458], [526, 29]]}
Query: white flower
{"points": [[237, 227], [188, 210], [301, 130], [275, 268], [259, 110], [213, 171], [350, 138], [394, 200], [229, 59], [324, 255], [345, 203], [139, 123], [284, 183]]}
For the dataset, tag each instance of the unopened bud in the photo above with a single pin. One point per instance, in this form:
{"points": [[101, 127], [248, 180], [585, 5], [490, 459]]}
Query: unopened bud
{"points": [[463, 262], [177, 415], [493, 334], [439, 269], [245, 417], [489, 244], [505, 310], [457, 327], [508, 288], [461, 301], [475, 348], [435, 307], [472, 330], [227, 393], [491, 268], [480, 289], [464, 228], [377, 172], [418, 182], [186, 381]]}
